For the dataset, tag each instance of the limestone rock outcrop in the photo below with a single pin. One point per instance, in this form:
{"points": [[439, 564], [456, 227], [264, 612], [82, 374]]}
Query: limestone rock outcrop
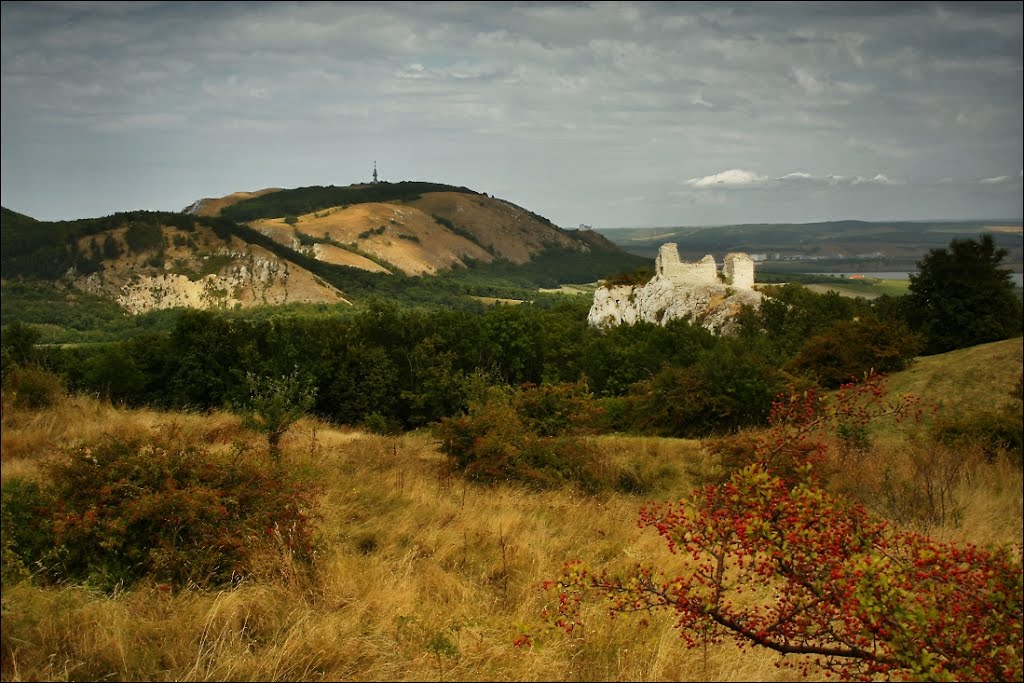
{"points": [[690, 291], [241, 277]]}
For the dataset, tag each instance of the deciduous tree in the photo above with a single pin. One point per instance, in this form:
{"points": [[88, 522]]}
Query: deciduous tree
{"points": [[962, 297]]}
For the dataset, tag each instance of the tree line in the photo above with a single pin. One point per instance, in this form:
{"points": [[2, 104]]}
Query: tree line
{"points": [[406, 367]]}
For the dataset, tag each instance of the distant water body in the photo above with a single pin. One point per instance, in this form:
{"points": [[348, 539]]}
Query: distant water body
{"points": [[1018, 278]]}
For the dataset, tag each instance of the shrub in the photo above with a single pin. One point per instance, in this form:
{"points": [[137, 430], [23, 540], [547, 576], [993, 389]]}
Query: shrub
{"points": [[533, 435], [366, 234], [33, 387], [804, 424], [144, 236], [851, 348], [157, 260], [795, 570], [275, 404], [26, 529], [637, 278], [120, 510], [767, 557], [998, 429], [993, 431], [727, 389], [18, 342]]}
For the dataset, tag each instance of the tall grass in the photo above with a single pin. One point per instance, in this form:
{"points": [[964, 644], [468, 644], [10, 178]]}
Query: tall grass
{"points": [[422, 577]]}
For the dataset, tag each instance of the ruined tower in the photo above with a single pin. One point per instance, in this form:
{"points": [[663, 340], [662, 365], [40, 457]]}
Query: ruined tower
{"points": [[738, 270]]}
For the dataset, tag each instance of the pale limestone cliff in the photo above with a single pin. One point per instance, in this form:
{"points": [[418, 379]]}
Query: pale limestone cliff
{"points": [[244, 275], [692, 292]]}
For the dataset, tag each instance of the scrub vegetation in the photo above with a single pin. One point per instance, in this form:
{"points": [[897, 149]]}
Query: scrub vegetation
{"points": [[505, 493]]}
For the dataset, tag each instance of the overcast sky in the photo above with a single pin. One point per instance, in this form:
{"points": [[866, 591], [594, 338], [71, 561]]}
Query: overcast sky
{"points": [[609, 114]]}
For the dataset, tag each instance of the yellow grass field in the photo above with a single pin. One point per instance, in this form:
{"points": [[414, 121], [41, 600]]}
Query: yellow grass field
{"points": [[423, 576]]}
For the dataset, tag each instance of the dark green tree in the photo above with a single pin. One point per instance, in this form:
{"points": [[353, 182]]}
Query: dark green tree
{"points": [[143, 235], [961, 297], [18, 342], [851, 348], [114, 375], [111, 249], [791, 315]]}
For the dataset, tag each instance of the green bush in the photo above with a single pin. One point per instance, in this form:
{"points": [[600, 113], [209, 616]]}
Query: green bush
{"points": [[144, 236], [533, 435], [555, 409], [33, 387], [123, 509], [17, 344], [851, 348], [636, 278], [274, 404], [27, 532], [728, 389], [995, 430]]}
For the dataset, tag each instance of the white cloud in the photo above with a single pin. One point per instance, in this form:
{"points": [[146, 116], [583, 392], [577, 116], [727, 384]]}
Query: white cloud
{"points": [[879, 179], [739, 179], [809, 83], [994, 181], [734, 177], [797, 176], [699, 100]]}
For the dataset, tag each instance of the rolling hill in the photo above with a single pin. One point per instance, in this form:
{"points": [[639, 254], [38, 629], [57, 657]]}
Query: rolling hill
{"points": [[319, 244]]}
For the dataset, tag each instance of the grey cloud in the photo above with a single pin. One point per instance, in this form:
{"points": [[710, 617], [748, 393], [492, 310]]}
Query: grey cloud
{"points": [[556, 105]]}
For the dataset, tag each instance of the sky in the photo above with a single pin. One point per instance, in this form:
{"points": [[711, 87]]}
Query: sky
{"points": [[609, 114]]}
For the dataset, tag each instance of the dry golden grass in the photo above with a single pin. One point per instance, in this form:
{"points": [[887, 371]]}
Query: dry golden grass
{"points": [[434, 247], [212, 206], [32, 435], [953, 494], [979, 376], [503, 228], [422, 577]]}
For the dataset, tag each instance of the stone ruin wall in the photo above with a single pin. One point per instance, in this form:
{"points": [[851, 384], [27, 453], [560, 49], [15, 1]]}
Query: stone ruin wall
{"points": [[668, 265], [738, 269]]}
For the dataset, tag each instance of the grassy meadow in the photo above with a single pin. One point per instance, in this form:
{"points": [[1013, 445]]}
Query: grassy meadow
{"points": [[423, 576], [867, 287]]}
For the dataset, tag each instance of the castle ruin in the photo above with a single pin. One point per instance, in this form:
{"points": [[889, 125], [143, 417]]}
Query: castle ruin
{"points": [[737, 270], [688, 291]]}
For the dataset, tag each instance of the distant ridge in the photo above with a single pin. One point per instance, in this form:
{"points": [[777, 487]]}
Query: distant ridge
{"points": [[841, 244]]}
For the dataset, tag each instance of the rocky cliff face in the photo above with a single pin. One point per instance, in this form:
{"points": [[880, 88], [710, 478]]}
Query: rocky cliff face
{"points": [[199, 270], [692, 292]]}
